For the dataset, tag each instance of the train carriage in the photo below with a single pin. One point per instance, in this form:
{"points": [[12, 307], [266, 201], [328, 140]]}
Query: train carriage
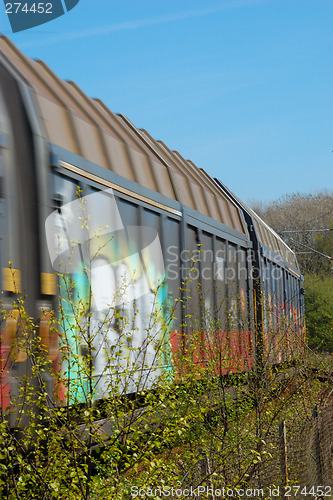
{"points": [[279, 288], [156, 251]]}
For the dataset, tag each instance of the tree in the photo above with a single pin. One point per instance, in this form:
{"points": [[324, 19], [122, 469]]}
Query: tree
{"points": [[308, 213]]}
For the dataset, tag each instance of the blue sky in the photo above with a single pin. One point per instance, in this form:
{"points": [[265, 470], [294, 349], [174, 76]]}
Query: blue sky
{"points": [[241, 87]]}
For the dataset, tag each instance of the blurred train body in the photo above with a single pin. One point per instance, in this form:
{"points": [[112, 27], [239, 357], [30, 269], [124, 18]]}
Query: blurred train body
{"points": [[178, 239]]}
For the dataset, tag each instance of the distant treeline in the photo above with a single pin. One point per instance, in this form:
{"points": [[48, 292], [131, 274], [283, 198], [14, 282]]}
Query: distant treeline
{"points": [[305, 222]]}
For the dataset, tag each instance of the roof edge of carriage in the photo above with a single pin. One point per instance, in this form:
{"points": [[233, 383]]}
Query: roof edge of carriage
{"points": [[87, 128]]}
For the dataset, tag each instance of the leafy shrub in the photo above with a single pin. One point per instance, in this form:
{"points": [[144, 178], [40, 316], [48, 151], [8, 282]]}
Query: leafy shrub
{"points": [[319, 311]]}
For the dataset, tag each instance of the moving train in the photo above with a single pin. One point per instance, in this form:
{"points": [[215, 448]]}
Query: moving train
{"points": [[137, 249]]}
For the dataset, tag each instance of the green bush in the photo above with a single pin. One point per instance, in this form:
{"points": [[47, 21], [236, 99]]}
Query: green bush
{"points": [[319, 311]]}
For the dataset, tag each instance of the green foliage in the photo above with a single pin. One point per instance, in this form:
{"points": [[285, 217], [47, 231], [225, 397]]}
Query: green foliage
{"points": [[208, 432], [319, 311], [299, 219], [201, 425]]}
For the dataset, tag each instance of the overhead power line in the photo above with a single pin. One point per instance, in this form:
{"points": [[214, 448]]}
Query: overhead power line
{"points": [[306, 231], [312, 249]]}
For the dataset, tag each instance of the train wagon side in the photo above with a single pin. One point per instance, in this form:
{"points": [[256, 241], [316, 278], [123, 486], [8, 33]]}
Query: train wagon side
{"points": [[128, 241], [218, 278], [278, 285]]}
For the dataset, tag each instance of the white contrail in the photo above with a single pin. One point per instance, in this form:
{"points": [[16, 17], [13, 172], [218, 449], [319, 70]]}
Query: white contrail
{"points": [[140, 23]]}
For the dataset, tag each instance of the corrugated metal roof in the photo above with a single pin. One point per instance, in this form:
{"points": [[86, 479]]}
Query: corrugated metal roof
{"points": [[193, 187], [267, 236], [86, 127]]}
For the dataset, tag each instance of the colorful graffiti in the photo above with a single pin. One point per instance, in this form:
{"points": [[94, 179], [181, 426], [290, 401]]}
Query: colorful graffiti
{"points": [[112, 295]]}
